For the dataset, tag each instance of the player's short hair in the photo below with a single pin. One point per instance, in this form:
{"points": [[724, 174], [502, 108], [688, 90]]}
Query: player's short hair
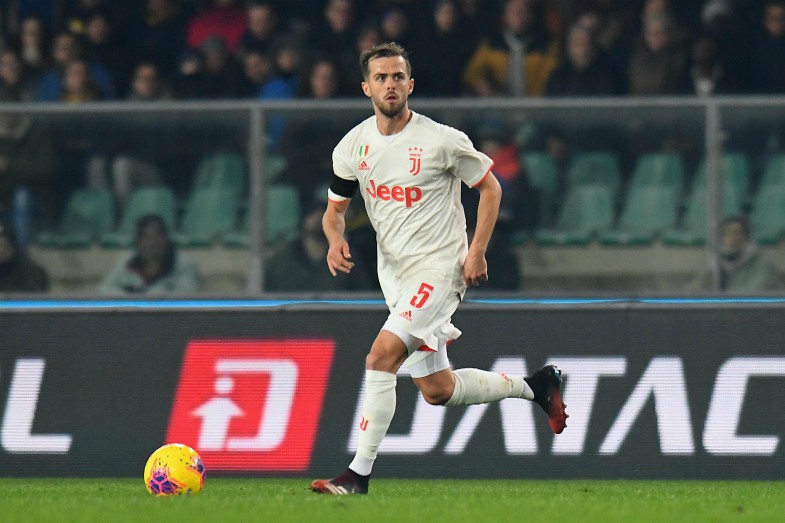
{"points": [[383, 50]]}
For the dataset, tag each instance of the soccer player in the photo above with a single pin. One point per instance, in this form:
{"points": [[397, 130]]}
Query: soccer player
{"points": [[409, 169]]}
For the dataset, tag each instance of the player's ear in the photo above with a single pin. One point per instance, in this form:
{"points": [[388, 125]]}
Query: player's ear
{"points": [[366, 89], [411, 85]]}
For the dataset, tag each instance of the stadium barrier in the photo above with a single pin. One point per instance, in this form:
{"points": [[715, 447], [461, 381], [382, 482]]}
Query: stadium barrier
{"points": [[205, 144], [655, 390]]}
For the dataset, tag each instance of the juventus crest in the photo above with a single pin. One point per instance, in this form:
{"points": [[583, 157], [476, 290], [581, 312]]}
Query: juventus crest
{"points": [[415, 155]]}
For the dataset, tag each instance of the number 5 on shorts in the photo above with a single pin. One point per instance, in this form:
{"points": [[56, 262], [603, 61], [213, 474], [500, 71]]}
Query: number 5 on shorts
{"points": [[419, 299]]}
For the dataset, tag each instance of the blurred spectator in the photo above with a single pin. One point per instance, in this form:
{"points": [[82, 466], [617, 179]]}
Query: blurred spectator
{"points": [[75, 13], [448, 50], [263, 27], [289, 58], [727, 25], [222, 74], [743, 268], [127, 160], [224, 18], [518, 60], [307, 170], [396, 25], [520, 206], [480, 19], [14, 78], [18, 273], [155, 266], [323, 81], [257, 70], [664, 8], [769, 56], [584, 72], [191, 81], [147, 84], [65, 49], [367, 36], [27, 160], [299, 265], [159, 36], [708, 76], [33, 46], [79, 86], [336, 35], [102, 47], [658, 64]]}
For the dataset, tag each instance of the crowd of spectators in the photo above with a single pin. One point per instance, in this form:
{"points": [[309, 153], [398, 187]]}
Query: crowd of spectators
{"points": [[75, 51], [82, 50]]}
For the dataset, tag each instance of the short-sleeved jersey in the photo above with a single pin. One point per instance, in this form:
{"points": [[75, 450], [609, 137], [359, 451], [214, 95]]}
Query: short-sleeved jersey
{"points": [[411, 187]]}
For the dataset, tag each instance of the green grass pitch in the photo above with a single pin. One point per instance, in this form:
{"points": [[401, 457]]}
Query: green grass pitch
{"points": [[285, 500]]}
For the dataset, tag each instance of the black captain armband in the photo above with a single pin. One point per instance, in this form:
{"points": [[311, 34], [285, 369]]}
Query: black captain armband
{"points": [[345, 188]]}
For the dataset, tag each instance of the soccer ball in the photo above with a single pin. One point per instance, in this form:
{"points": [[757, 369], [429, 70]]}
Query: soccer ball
{"points": [[174, 469]]}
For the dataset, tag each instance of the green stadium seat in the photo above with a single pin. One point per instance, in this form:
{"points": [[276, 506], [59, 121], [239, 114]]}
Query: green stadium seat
{"points": [[664, 169], [693, 226], [540, 169], [209, 213], [595, 168], [647, 212], [774, 172], [768, 215], [735, 171], [88, 214], [221, 171], [587, 209], [158, 200], [283, 216], [274, 166]]}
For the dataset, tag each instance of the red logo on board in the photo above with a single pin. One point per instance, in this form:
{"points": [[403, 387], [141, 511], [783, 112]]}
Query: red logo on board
{"points": [[251, 405]]}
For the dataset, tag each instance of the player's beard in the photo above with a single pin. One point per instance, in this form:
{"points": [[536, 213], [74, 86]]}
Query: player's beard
{"points": [[390, 110]]}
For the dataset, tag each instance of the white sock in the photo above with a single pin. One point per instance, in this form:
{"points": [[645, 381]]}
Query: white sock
{"points": [[378, 411], [473, 386]]}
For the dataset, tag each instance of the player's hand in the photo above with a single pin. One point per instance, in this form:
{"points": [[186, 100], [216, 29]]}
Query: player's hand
{"points": [[475, 269], [339, 258]]}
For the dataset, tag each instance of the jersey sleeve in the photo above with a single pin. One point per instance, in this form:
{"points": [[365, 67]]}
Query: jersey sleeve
{"points": [[468, 164]]}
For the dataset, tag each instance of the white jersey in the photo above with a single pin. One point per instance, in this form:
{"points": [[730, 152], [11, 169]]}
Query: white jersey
{"points": [[411, 186]]}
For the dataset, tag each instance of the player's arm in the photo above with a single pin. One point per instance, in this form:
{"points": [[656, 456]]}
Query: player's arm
{"points": [[334, 225], [475, 268]]}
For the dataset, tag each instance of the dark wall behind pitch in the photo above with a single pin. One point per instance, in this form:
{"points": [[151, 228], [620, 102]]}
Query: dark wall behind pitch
{"points": [[111, 378]]}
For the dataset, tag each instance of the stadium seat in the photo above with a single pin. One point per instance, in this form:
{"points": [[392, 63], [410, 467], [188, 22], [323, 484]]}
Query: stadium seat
{"points": [[158, 200], [735, 170], [774, 172], [693, 225], [209, 213], [88, 214], [274, 165], [647, 212], [282, 216], [663, 169], [768, 215], [586, 210], [541, 172], [221, 171], [595, 168]]}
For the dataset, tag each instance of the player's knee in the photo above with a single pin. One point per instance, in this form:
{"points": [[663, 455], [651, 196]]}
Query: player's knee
{"points": [[377, 360], [436, 395]]}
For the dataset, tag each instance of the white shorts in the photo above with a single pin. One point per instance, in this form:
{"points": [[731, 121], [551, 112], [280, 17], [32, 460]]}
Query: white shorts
{"points": [[421, 319]]}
